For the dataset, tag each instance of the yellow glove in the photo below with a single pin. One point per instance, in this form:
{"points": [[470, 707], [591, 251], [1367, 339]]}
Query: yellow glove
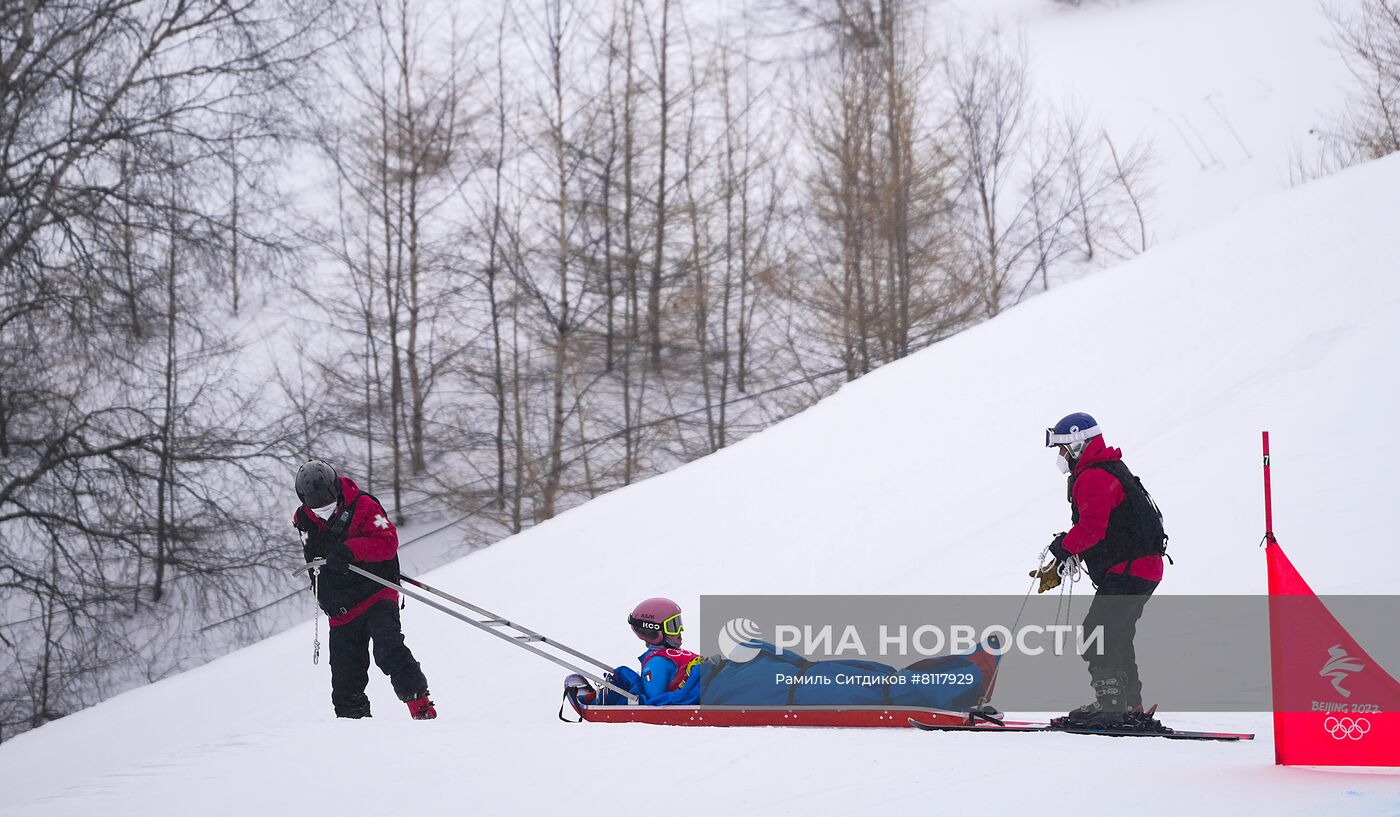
{"points": [[1049, 576]]}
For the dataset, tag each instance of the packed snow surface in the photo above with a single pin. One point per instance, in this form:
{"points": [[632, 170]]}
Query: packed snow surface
{"points": [[928, 476]]}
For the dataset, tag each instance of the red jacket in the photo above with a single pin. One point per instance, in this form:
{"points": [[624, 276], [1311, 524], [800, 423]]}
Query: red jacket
{"points": [[1096, 494], [372, 538]]}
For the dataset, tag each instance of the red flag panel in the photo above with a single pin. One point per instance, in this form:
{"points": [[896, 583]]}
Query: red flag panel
{"points": [[1333, 704]]}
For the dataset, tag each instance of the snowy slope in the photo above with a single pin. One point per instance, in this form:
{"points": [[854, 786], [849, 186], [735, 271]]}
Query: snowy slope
{"points": [[1226, 92], [927, 476]]}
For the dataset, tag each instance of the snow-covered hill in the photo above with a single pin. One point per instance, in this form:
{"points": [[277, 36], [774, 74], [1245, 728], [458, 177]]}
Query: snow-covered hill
{"points": [[925, 477], [928, 476], [1227, 92]]}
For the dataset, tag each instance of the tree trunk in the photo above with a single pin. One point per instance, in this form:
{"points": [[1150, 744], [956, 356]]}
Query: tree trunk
{"points": [[165, 473], [492, 272], [393, 277], [562, 318], [233, 228], [413, 151], [654, 290]]}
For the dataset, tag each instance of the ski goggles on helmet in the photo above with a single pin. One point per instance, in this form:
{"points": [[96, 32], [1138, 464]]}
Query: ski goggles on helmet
{"points": [[651, 631], [1073, 439]]}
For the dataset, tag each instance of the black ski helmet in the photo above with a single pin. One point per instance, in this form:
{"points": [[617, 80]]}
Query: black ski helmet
{"points": [[317, 484]]}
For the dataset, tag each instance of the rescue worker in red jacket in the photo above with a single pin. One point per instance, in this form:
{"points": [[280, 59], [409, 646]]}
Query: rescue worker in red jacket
{"points": [[1118, 535], [345, 526]]}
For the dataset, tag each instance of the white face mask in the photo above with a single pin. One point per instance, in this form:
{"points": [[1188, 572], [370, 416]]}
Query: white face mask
{"points": [[1061, 463], [325, 511]]}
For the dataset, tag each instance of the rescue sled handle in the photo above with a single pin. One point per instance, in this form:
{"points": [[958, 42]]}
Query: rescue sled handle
{"points": [[495, 620], [493, 624]]}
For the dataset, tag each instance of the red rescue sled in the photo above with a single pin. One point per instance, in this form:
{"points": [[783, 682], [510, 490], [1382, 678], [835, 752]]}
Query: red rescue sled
{"points": [[853, 717]]}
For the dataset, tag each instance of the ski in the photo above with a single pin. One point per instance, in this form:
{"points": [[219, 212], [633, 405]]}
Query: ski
{"points": [[981, 727], [1173, 735], [1045, 727]]}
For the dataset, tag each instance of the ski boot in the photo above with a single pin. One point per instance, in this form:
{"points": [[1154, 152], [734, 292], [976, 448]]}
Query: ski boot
{"points": [[1108, 712], [421, 708], [1095, 716], [580, 688]]}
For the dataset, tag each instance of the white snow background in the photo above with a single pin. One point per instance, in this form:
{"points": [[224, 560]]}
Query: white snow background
{"points": [[1257, 309]]}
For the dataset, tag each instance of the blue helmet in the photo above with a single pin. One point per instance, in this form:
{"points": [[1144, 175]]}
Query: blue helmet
{"points": [[1073, 431]]}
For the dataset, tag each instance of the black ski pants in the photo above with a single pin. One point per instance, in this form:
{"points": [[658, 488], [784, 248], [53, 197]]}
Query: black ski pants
{"points": [[350, 654], [1117, 606]]}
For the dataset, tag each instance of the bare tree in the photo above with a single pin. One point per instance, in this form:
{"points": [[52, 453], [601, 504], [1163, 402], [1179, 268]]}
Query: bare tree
{"points": [[884, 190], [401, 157], [1369, 38], [662, 48], [992, 111], [123, 433]]}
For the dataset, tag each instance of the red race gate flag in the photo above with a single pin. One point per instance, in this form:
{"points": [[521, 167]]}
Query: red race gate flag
{"points": [[1333, 704]]}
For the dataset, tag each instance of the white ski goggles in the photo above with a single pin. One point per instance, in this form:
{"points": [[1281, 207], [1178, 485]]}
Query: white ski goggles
{"points": [[1073, 438]]}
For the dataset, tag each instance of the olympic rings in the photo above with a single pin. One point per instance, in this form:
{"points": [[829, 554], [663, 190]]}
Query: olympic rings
{"points": [[1344, 728]]}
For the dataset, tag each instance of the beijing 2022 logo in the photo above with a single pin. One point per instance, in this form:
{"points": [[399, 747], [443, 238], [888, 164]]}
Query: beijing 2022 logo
{"points": [[1346, 728], [1338, 666]]}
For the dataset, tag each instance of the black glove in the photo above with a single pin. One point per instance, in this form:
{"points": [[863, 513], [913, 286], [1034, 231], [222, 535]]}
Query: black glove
{"points": [[313, 539], [338, 557], [1057, 547], [302, 521]]}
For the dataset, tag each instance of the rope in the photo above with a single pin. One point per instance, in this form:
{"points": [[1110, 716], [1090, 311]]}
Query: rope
{"points": [[1070, 572], [991, 682], [316, 594], [1069, 606]]}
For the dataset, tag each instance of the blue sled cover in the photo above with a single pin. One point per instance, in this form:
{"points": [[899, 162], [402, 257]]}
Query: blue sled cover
{"points": [[771, 678]]}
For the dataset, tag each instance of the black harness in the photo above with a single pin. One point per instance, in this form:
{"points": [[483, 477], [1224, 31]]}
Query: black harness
{"points": [[338, 592], [1134, 528]]}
